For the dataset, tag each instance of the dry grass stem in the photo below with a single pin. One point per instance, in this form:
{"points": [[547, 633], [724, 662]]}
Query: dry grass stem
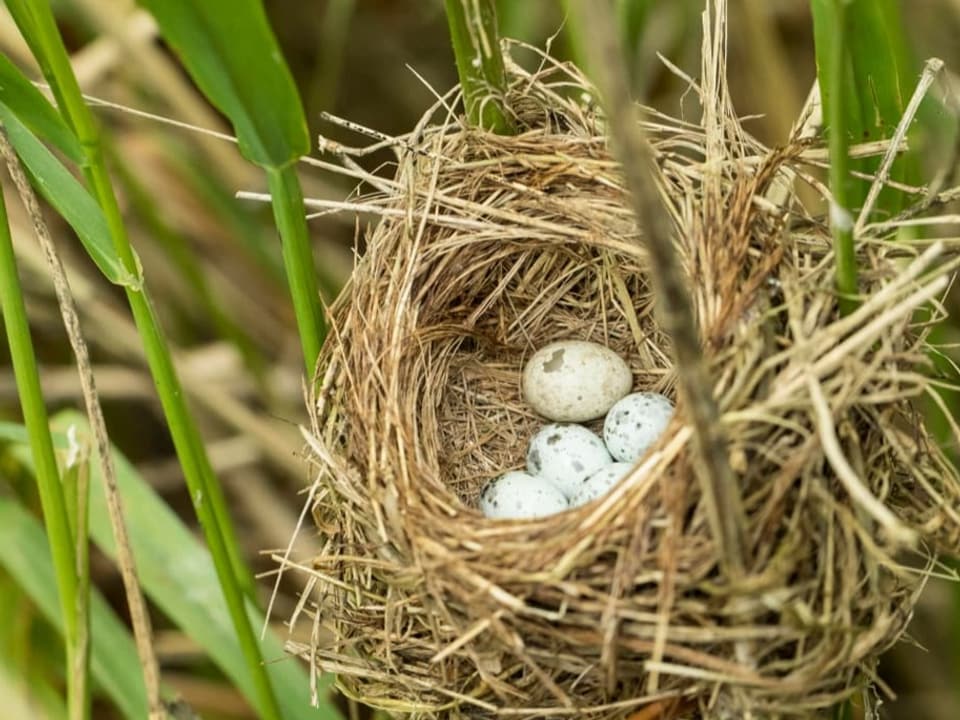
{"points": [[724, 508]]}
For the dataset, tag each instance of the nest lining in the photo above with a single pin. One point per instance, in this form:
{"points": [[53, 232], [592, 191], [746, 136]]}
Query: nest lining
{"points": [[490, 247]]}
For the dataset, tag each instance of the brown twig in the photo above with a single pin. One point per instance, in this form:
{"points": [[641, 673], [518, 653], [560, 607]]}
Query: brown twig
{"points": [[724, 507], [139, 617]]}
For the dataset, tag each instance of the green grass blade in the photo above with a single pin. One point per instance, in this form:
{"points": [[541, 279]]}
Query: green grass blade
{"points": [[76, 483], [476, 46], [65, 193], [232, 55], [16, 433], [23, 15], [178, 575], [25, 554], [35, 111], [874, 87], [47, 473], [214, 40]]}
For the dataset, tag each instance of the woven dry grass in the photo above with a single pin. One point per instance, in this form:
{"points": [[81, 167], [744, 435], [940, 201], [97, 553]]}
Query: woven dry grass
{"points": [[489, 247]]}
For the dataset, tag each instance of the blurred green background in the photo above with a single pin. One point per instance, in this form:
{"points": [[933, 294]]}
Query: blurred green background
{"points": [[214, 261]]}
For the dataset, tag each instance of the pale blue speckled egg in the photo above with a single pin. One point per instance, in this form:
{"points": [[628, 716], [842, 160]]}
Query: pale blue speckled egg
{"points": [[565, 455], [634, 424], [517, 495]]}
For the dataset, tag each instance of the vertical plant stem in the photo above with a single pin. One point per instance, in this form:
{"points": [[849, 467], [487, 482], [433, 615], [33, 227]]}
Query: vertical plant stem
{"points": [[476, 47], [41, 445], [205, 491], [77, 477], [601, 43], [290, 214], [139, 617], [841, 219]]}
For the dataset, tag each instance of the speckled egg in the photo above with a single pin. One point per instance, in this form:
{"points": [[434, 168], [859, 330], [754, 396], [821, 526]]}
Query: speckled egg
{"points": [[599, 483], [565, 455], [517, 495], [574, 381], [634, 424]]}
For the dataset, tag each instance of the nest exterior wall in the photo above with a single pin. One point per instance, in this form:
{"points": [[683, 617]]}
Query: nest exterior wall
{"points": [[489, 248]]}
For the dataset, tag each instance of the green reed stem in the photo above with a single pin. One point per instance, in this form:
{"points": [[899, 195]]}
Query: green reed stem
{"points": [[290, 213], [841, 219], [476, 46], [52, 499]]}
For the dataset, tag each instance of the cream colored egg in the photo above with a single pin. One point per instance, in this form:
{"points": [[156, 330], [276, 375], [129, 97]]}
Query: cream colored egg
{"points": [[575, 381]]}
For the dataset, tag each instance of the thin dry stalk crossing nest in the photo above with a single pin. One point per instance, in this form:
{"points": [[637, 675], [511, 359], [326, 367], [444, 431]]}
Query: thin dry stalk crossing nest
{"points": [[489, 247]]}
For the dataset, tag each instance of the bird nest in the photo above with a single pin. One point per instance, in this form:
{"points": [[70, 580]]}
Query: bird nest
{"points": [[488, 247]]}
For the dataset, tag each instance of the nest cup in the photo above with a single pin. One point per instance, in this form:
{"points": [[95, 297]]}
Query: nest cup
{"points": [[489, 247]]}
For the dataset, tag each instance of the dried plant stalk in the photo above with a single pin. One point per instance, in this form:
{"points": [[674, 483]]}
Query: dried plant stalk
{"points": [[720, 492]]}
